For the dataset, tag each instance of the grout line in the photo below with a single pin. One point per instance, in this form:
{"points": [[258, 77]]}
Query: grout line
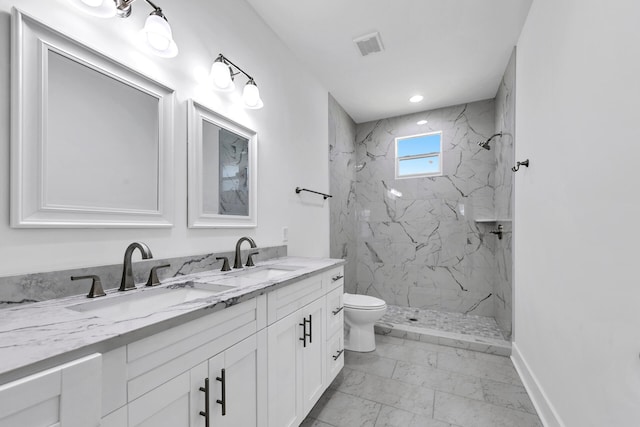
{"points": [[433, 405], [395, 365], [378, 414]]}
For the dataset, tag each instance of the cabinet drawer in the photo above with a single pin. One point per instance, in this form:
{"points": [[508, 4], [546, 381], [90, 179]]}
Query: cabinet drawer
{"points": [[334, 278], [286, 300], [66, 396], [335, 356], [154, 360], [335, 311]]}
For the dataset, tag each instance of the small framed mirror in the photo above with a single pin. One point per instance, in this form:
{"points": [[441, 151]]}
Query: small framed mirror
{"points": [[222, 162], [91, 139]]}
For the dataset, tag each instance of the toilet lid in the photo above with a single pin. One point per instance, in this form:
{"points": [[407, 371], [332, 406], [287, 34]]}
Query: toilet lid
{"points": [[363, 302]]}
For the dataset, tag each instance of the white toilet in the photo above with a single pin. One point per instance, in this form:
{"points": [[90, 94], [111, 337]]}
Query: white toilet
{"points": [[360, 314]]}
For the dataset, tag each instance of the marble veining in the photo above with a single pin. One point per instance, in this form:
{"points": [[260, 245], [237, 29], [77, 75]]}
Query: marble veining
{"points": [[34, 336], [342, 184], [418, 244], [28, 288]]}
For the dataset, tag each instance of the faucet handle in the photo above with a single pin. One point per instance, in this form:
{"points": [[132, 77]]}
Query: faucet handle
{"points": [[153, 275], [250, 259], [225, 264], [96, 285]]}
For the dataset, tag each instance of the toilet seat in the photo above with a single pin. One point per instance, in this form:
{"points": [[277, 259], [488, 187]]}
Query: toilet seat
{"points": [[363, 302]]}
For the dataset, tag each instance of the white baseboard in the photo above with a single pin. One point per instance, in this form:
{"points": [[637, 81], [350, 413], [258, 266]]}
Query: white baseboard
{"points": [[544, 407]]}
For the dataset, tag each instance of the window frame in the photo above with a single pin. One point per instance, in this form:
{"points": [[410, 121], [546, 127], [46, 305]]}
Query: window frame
{"points": [[418, 156]]}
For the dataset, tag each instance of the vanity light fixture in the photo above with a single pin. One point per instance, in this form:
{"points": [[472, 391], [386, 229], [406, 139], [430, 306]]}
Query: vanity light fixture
{"points": [[223, 72], [155, 37]]}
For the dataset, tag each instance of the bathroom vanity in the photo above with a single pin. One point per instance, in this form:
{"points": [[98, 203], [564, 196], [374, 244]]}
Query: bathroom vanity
{"points": [[251, 347]]}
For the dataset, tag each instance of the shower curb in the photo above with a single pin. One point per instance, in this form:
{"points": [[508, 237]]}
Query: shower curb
{"points": [[450, 339]]}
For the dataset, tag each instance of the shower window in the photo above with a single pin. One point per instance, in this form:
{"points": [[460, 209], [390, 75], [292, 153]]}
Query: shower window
{"points": [[419, 155]]}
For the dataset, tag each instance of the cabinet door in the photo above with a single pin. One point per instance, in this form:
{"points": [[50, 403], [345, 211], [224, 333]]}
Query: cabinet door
{"points": [[335, 356], [237, 395], [164, 406], [285, 362], [66, 396], [313, 374]]}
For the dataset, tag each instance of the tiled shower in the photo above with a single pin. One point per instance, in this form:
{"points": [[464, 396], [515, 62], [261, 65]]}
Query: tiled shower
{"points": [[426, 243]]}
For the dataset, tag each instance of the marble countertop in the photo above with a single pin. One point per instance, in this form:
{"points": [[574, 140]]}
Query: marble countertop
{"points": [[42, 335]]}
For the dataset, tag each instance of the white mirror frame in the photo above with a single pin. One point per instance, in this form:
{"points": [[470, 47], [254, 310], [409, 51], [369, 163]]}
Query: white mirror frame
{"points": [[198, 218], [32, 44]]}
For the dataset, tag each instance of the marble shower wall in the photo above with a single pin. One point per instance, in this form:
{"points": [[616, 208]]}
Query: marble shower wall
{"points": [[503, 196], [342, 186], [423, 248]]}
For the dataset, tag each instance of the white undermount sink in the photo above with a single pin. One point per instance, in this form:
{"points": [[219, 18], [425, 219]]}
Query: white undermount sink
{"points": [[146, 302]]}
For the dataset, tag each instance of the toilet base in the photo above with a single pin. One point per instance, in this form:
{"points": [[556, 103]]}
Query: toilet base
{"points": [[360, 339]]}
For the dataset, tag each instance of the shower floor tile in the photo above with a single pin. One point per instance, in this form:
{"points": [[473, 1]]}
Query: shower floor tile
{"points": [[452, 329]]}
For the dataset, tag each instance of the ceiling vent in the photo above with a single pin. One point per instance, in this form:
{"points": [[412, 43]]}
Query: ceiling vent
{"points": [[369, 43]]}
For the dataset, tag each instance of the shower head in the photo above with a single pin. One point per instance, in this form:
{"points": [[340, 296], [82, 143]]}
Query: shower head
{"points": [[485, 144]]}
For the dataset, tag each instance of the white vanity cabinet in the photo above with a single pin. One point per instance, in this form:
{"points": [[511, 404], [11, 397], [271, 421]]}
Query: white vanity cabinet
{"points": [[335, 324], [296, 364], [238, 384], [156, 381], [303, 328], [262, 363], [66, 396], [232, 382]]}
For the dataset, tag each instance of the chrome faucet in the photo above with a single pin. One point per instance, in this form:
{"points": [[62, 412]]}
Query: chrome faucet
{"points": [[127, 282], [237, 262]]}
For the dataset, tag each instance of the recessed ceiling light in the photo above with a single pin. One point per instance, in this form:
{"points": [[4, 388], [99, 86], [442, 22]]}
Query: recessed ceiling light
{"points": [[416, 98], [422, 122]]}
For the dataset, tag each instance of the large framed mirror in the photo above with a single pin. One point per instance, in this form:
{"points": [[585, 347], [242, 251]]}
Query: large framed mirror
{"points": [[222, 171], [92, 140]]}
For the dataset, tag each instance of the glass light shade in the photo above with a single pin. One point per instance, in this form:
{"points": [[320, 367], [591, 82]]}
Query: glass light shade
{"points": [[258, 106], [99, 8], [157, 37], [251, 94], [221, 77]]}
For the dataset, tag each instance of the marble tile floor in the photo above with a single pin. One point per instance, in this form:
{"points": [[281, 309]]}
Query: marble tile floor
{"points": [[407, 383], [465, 331]]}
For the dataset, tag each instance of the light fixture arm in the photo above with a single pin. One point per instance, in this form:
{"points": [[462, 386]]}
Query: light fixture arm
{"points": [[124, 8], [153, 6], [226, 60]]}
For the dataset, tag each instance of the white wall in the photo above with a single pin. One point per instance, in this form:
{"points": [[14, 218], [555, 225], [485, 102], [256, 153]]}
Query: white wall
{"points": [[577, 286], [292, 132]]}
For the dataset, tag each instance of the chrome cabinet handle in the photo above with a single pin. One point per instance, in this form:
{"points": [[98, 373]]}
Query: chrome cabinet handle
{"points": [[205, 413], [338, 277], [223, 401], [335, 312], [335, 357]]}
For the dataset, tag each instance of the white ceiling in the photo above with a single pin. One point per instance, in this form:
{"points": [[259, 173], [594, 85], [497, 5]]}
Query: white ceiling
{"points": [[450, 51]]}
